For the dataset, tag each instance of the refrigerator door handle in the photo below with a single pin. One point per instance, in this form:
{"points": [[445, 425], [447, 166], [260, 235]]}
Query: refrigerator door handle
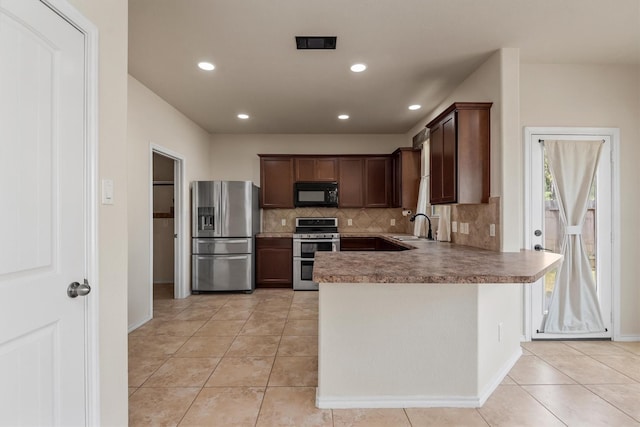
{"points": [[217, 214], [233, 257], [223, 203]]}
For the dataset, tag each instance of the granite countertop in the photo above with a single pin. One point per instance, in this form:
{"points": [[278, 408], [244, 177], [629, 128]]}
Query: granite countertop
{"points": [[432, 262], [275, 234]]}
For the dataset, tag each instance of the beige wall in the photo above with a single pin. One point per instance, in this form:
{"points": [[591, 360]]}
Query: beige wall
{"points": [[153, 121], [597, 96], [110, 18], [234, 157]]}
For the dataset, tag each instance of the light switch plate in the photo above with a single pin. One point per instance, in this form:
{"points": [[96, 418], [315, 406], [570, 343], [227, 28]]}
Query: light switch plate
{"points": [[393, 222], [492, 230], [283, 222], [349, 221], [107, 191]]}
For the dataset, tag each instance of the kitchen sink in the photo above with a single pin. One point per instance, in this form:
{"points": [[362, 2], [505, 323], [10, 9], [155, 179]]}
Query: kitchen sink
{"points": [[402, 238]]}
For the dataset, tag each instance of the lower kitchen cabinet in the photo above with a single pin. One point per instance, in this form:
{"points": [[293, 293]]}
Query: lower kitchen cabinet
{"points": [[358, 243], [368, 244], [274, 262]]}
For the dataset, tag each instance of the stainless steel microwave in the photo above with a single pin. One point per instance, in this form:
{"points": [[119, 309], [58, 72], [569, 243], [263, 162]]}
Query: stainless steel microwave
{"points": [[315, 194]]}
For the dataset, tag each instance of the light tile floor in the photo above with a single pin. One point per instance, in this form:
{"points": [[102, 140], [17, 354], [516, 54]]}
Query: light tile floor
{"points": [[251, 360]]}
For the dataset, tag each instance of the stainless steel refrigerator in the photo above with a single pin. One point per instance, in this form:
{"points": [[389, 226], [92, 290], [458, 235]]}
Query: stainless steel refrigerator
{"points": [[225, 220]]}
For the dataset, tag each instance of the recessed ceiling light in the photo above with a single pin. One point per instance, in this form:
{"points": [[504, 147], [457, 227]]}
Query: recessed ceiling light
{"points": [[207, 66], [415, 107], [343, 116], [358, 68], [243, 116]]}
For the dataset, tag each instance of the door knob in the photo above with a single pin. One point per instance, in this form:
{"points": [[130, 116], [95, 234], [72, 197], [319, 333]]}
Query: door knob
{"points": [[76, 289]]}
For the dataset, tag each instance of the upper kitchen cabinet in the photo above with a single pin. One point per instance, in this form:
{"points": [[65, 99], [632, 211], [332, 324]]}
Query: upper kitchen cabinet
{"points": [[316, 169], [378, 182], [365, 181], [276, 181], [406, 177], [351, 182], [459, 154]]}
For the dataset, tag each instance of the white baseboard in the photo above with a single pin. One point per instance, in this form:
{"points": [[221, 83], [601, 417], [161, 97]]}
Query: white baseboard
{"points": [[140, 323], [353, 402], [499, 376], [627, 338]]}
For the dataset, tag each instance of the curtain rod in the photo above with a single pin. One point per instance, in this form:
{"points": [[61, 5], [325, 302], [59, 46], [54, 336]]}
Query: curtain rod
{"points": [[540, 141]]}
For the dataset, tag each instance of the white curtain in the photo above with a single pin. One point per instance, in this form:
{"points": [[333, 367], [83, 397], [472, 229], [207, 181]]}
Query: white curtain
{"points": [[444, 223], [420, 227], [574, 304]]}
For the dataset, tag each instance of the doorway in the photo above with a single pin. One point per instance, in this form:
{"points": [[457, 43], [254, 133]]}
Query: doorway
{"points": [[543, 227], [163, 227], [167, 225]]}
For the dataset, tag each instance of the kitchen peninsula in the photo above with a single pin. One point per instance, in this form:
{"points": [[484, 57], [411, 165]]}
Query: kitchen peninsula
{"points": [[435, 326]]}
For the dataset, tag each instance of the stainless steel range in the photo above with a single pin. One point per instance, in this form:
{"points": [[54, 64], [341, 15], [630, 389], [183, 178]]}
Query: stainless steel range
{"points": [[312, 235]]}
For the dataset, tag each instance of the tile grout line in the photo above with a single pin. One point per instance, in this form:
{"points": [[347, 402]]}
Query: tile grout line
{"points": [[272, 365], [585, 386], [202, 387], [543, 405]]}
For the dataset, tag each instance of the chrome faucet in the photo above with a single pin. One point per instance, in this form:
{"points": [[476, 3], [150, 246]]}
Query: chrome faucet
{"points": [[413, 218]]}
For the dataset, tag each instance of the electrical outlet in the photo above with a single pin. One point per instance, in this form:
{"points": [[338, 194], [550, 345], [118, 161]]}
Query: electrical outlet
{"points": [[393, 222], [492, 230], [454, 226], [349, 222], [283, 222], [466, 228]]}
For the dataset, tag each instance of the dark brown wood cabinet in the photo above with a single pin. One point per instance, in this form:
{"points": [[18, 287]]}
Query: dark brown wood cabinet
{"points": [[274, 262], [368, 244], [406, 178], [357, 244], [316, 168], [276, 182], [378, 182], [460, 153], [351, 182], [364, 181]]}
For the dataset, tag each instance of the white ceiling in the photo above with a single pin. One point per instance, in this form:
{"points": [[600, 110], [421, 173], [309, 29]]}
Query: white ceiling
{"points": [[416, 51]]}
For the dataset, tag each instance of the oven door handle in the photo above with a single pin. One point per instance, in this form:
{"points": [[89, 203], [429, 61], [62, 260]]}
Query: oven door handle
{"points": [[333, 241]]}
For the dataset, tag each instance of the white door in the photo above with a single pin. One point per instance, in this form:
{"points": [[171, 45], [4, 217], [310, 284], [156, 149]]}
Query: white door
{"points": [[42, 217], [543, 229]]}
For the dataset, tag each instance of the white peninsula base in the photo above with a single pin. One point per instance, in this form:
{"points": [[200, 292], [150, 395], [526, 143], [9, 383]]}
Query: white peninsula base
{"points": [[390, 345]]}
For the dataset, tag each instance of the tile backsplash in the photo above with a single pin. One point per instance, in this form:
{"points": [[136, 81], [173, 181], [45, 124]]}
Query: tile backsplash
{"points": [[376, 220], [479, 217]]}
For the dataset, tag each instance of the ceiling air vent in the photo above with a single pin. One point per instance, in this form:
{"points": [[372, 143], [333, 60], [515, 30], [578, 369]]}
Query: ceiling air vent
{"points": [[315, 42]]}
